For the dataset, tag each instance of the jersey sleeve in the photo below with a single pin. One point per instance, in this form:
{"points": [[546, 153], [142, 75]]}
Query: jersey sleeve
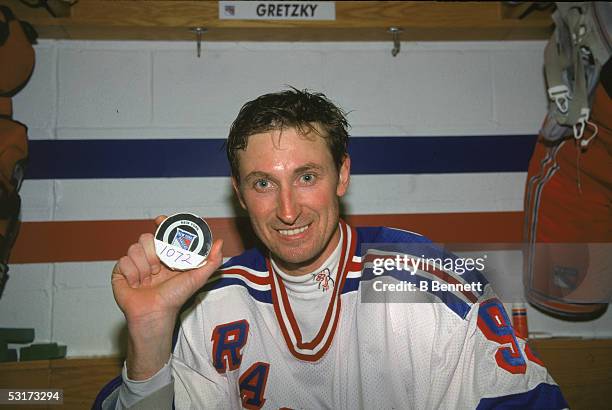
{"points": [[188, 381], [493, 367]]}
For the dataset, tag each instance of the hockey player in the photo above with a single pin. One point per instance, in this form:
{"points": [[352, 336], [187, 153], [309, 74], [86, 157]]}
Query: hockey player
{"points": [[295, 322]]}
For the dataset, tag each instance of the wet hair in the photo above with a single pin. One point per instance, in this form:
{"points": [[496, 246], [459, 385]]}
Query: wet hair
{"points": [[303, 110]]}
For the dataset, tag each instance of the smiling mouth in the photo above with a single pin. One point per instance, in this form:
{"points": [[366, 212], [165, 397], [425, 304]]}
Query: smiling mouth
{"points": [[295, 231]]}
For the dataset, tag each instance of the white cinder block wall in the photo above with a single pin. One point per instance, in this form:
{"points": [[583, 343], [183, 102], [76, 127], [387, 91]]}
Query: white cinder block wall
{"points": [[125, 90]]}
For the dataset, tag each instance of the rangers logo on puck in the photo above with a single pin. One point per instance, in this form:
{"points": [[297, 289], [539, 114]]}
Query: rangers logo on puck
{"points": [[183, 241]]}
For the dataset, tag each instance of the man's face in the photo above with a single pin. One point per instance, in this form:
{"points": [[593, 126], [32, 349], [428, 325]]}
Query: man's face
{"points": [[290, 187]]}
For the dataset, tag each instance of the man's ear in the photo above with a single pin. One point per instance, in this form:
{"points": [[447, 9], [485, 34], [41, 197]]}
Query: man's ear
{"points": [[236, 186], [344, 177]]}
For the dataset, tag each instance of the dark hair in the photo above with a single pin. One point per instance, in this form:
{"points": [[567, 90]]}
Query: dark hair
{"points": [[306, 111]]}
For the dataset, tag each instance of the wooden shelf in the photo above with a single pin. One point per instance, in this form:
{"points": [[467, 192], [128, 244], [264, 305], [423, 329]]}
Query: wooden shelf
{"points": [[81, 379], [583, 369], [355, 21]]}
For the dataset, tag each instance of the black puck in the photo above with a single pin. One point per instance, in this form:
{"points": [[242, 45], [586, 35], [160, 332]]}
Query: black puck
{"points": [[183, 241]]}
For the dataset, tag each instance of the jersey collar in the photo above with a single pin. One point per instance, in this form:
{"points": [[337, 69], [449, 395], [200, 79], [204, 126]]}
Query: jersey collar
{"points": [[316, 348]]}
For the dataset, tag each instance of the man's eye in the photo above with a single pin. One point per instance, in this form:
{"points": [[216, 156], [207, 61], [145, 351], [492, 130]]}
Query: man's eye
{"points": [[307, 178], [262, 184]]}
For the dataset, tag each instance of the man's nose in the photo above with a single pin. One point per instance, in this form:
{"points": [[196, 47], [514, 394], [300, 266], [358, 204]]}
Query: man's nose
{"points": [[288, 209]]}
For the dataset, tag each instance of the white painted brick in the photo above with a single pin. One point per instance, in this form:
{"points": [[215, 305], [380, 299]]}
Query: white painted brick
{"points": [[26, 300], [104, 88], [213, 197], [510, 190], [34, 313], [37, 200], [209, 91], [123, 199], [78, 275], [88, 321], [83, 296], [425, 193], [31, 276], [541, 323], [35, 104], [520, 94], [415, 90], [603, 325]]}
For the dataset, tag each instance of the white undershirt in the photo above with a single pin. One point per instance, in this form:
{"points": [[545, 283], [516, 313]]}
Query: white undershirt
{"points": [[308, 299]]}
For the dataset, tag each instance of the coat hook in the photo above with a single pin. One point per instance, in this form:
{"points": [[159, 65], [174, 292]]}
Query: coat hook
{"points": [[395, 32], [198, 32]]}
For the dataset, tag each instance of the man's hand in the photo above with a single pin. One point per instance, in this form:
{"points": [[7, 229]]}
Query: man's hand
{"points": [[150, 296]]}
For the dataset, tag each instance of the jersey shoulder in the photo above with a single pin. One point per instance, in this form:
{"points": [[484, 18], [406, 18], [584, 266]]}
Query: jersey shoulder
{"points": [[436, 275], [384, 234], [251, 259], [245, 272]]}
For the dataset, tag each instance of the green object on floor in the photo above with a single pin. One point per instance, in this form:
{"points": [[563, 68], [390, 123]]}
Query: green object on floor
{"points": [[16, 335], [42, 351], [6, 354], [13, 335], [9, 356]]}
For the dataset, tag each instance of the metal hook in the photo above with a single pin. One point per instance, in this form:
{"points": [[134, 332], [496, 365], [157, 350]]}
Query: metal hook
{"points": [[395, 32], [198, 32]]}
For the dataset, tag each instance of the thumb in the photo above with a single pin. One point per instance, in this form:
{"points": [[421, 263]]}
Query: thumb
{"points": [[183, 285], [214, 260]]}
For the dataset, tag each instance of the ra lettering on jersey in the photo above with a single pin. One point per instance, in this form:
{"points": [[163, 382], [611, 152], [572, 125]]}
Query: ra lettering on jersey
{"points": [[228, 340], [253, 385]]}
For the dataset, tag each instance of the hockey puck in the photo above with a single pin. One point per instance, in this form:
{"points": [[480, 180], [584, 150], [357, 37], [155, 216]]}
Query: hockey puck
{"points": [[183, 241]]}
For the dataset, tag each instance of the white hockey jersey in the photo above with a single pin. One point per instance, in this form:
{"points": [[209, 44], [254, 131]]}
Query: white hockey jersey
{"points": [[240, 344]]}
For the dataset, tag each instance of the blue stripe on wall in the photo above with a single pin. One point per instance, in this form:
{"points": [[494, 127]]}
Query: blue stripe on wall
{"points": [[167, 158]]}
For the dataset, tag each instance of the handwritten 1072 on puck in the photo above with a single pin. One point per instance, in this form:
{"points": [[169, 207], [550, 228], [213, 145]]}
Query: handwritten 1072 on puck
{"points": [[183, 241]]}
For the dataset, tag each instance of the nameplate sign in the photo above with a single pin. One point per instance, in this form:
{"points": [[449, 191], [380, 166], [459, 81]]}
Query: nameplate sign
{"points": [[277, 10]]}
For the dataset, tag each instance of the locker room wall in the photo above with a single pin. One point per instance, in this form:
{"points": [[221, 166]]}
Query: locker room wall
{"points": [[108, 91]]}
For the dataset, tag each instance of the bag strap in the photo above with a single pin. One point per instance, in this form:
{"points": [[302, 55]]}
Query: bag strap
{"points": [[573, 58]]}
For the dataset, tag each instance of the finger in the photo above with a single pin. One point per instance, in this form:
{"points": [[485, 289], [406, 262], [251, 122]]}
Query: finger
{"points": [[137, 255], [147, 241], [214, 260], [159, 219], [116, 273], [215, 256], [128, 269], [119, 284]]}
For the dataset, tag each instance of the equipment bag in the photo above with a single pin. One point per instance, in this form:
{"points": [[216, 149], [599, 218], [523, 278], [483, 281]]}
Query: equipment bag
{"points": [[16, 67]]}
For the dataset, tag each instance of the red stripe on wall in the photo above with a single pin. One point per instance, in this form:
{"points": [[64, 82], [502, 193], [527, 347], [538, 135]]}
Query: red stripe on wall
{"points": [[72, 241]]}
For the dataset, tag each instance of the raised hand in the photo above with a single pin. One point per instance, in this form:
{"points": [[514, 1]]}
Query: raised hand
{"points": [[150, 296]]}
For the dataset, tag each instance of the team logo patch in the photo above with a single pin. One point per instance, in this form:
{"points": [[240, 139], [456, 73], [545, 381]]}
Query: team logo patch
{"points": [[566, 277], [324, 278], [183, 239]]}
